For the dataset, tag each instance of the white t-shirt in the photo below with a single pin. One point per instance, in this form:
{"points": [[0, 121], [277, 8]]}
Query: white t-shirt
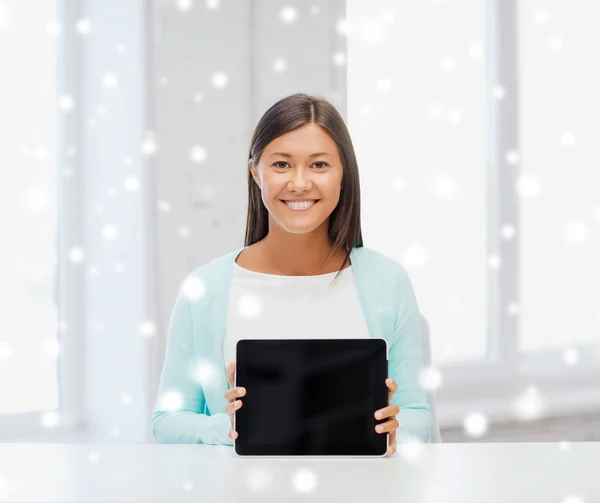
{"points": [[272, 306]]}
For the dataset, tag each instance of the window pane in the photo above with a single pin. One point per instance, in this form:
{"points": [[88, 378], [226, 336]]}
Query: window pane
{"points": [[28, 342], [416, 81], [560, 216]]}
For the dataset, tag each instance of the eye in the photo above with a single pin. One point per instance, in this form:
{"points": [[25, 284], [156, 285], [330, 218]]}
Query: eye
{"points": [[277, 164]]}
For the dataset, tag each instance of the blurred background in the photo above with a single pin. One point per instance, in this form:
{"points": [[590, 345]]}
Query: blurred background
{"points": [[124, 136]]}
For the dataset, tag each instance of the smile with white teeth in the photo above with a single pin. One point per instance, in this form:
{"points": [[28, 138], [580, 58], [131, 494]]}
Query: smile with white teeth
{"points": [[300, 205]]}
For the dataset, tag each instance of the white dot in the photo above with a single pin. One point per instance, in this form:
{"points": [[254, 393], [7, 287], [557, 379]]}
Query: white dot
{"points": [[444, 188], [571, 356], [125, 399], [250, 306], [596, 212], [528, 405], [339, 59], [415, 255], [66, 103], [198, 154], [434, 109], [342, 27], [398, 184], [258, 478], [83, 26], [572, 498], [184, 232], [147, 329], [205, 373], [564, 445], [512, 157], [164, 206], [576, 232], [314, 10], [171, 400], [93, 458], [288, 15], [115, 431], [121, 48], [371, 32], [455, 116], [431, 378], [528, 185], [53, 29], [541, 16], [131, 183], [494, 261], [411, 450], [110, 232], [184, 5], [567, 138], [220, 80], [512, 309], [366, 110], [212, 4], [50, 419], [94, 271], [508, 231], [449, 64], [188, 486], [119, 267], [555, 43], [149, 146], [388, 16], [475, 424], [499, 92], [111, 191], [36, 200], [304, 480], [475, 50], [384, 85], [76, 254], [198, 97], [52, 349], [110, 80], [5, 350], [193, 288], [280, 65], [164, 81]]}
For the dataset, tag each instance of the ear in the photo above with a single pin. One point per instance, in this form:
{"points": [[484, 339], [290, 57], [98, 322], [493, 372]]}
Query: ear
{"points": [[254, 173]]}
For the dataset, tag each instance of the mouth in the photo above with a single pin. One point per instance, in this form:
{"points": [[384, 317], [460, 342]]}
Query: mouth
{"points": [[299, 207]]}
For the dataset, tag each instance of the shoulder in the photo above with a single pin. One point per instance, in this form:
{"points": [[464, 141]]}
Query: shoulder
{"points": [[209, 280], [381, 265]]}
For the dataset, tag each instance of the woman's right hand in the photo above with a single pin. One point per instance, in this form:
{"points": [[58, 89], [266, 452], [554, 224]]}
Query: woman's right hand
{"points": [[231, 396]]}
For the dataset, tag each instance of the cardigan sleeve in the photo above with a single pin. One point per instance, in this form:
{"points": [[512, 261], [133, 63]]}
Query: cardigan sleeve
{"points": [[405, 366], [178, 416]]}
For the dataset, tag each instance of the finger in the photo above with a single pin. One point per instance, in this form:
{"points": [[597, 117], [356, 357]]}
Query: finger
{"points": [[232, 434], [233, 407], [392, 387], [392, 443], [389, 411], [234, 393], [390, 425]]}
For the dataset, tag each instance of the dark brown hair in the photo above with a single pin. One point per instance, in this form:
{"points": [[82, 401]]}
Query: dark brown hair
{"points": [[284, 116]]}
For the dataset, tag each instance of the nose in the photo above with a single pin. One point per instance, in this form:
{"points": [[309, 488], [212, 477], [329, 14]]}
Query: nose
{"points": [[299, 180]]}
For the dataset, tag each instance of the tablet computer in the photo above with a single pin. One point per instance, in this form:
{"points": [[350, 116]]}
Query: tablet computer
{"points": [[311, 397]]}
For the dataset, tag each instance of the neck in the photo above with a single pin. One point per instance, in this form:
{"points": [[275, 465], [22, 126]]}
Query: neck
{"points": [[299, 254]]}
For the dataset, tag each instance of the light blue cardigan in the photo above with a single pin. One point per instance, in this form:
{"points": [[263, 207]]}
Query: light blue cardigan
{"points": [[194, 371]]}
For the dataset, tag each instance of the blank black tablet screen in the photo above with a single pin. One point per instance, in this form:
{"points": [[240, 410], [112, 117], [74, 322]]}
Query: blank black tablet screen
{"points": [[313, 397]]}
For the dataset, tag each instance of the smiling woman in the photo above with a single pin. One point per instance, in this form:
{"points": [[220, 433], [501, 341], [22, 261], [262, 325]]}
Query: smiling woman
{"points": [[303, 228]]}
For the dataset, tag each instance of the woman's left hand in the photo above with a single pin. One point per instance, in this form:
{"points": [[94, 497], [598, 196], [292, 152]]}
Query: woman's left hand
{"points": [[389, 412]]}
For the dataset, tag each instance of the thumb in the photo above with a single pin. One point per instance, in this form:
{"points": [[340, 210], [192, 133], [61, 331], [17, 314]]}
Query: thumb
{"points": [[230, 373]]}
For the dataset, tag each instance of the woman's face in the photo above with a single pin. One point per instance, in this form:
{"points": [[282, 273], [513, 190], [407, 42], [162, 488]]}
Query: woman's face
{"points": [[289, 169]]}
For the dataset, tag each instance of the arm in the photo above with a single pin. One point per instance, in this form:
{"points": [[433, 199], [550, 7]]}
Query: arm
{"points": [[178, 416], [405, 365]]}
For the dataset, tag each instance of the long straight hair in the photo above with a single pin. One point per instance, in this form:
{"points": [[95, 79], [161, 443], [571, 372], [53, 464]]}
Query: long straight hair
{"points": [[284, 116]]}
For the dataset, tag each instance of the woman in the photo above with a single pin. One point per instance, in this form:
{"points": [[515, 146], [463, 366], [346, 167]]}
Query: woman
{"points": [[303, 272]]}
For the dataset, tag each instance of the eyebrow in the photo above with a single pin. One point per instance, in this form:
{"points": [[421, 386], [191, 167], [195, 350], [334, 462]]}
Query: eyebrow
{"points": [[283, 154]]}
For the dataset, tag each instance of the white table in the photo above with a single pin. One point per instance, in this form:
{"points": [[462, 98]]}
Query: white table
{"points": [[455, 473]]}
